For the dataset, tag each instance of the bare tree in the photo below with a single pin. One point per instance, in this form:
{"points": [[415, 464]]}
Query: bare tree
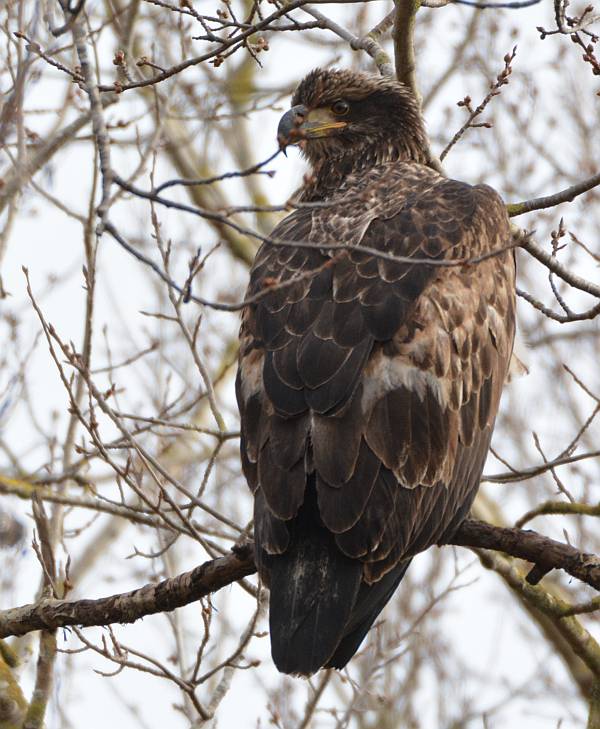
{"points": [[139, 172]]}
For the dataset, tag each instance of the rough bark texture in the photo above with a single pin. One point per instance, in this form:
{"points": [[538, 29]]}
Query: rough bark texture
{"points": [[545, 553], [128, 607], [211, 576]]}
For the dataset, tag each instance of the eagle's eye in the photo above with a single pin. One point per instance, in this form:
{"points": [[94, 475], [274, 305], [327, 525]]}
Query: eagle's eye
{"points": [[340, 107]]}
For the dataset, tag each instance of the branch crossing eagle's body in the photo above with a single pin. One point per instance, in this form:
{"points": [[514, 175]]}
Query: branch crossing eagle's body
{"points": [[368, 387]]}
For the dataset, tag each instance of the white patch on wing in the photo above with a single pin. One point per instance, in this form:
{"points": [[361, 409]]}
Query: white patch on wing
{"points": [[251, 369], [384, 374], [497, 327], [518, 362]]}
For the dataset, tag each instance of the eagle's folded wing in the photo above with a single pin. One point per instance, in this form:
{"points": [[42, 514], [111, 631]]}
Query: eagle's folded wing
{"points": [[380, 379]]}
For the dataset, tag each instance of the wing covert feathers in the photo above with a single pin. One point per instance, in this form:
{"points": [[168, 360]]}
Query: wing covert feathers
{"points": [[368, 390]]}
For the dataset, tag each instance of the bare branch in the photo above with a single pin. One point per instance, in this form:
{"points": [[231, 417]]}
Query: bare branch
{"points": [[369, 43], [130, 606], [217, 573], [495, 89], [404, 50], [97, 113], [549, 201]]}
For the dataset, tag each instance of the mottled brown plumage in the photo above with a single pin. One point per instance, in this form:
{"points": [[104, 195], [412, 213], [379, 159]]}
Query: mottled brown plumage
{"points": [[367, 390]]}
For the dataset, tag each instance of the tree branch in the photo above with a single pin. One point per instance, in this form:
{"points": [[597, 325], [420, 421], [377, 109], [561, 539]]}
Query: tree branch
{"points": [[404, 58], [529, 545], [572, 631], [556, 267], [15, 180], [404, 49], [128, 607], [211, 576], [96, 109], [550, 201], [369, 43]]}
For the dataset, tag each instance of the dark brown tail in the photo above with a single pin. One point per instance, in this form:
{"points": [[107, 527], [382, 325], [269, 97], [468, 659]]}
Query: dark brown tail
{"points": [[320, 611]]}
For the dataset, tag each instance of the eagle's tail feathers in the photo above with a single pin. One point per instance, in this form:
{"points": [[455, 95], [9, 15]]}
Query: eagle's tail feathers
{"points": [[313, 590], [370, 602]]}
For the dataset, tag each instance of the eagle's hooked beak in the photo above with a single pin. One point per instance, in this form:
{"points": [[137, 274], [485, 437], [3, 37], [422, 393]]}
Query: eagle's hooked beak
{"points": [[298, 123]]}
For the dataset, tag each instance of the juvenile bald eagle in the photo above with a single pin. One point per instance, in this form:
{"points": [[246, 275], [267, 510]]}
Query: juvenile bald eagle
{"points": [[368, 387]]}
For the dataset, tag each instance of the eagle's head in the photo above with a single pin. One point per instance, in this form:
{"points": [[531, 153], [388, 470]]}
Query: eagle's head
{"points": [[353, 120]]}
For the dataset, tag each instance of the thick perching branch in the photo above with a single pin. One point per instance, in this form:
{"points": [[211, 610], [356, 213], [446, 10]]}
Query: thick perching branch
{"points": [[130, 606], [533, 547], [217, 573]]}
